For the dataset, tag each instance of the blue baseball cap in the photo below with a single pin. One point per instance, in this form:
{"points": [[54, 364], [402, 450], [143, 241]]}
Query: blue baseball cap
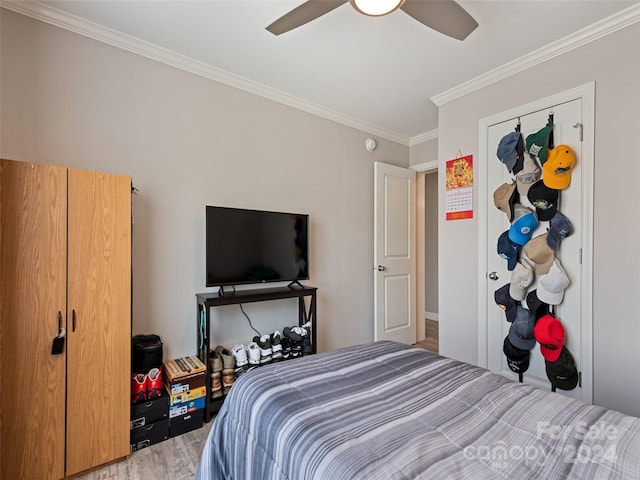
{"points": [[506, 302], [559, 228], [521, 331], [508, 250], [523, 225], [507, 150]]}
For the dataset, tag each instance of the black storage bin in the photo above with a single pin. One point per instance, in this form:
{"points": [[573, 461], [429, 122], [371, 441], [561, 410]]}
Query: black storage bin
{"points": [[146, 353]]}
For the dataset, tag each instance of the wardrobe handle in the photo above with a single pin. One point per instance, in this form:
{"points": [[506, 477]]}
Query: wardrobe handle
{"points": [[73, 320]]}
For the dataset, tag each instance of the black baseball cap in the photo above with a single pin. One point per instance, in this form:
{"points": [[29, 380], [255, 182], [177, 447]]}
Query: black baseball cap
{"points": [[563, 373]]}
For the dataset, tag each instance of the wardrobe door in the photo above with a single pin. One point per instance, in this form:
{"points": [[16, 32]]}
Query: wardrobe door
{"points": [[33, 248], [99, 305]]}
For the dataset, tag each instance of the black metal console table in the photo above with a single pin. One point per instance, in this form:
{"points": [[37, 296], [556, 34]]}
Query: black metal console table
{"points": [[208, 300]]}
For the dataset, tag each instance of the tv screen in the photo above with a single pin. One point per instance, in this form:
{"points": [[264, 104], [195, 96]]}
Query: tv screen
{"points": [[255, 246]]}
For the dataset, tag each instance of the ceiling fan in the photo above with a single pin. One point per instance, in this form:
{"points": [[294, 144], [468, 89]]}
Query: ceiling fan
{"points": [[444, 16]]}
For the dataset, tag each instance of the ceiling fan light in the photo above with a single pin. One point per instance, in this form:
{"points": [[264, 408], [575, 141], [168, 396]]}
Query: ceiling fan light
{"points": [[376, 8]]}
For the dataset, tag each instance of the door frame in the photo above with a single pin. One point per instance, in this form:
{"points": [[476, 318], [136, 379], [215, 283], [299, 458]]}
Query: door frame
{"points": [[421, 275], [586, 93]]}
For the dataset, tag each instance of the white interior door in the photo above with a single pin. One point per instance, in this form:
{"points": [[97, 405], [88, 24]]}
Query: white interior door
{"points": [[394, 254], [576, 319]]}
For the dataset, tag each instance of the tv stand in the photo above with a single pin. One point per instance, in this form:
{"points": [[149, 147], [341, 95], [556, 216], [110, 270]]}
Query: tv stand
{"points": [[216, 299]]}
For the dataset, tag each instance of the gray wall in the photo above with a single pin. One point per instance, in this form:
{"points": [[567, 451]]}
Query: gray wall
{"points": [[614, 64], [188, 142]]}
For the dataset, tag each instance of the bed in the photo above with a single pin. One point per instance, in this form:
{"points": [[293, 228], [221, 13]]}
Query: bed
{"points": [[385, 411]]}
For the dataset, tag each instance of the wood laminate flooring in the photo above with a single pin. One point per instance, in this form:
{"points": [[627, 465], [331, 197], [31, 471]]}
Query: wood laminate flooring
{"points": [[174, 459], [431, 337]]}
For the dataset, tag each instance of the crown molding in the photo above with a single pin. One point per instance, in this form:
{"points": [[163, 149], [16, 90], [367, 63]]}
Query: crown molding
{"points": [[423, 137], [56, 17], [588, 34]]}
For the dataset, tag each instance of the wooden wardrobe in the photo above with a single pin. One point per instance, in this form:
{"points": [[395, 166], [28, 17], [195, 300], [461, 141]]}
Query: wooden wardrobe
{"points": [[65, 253]]}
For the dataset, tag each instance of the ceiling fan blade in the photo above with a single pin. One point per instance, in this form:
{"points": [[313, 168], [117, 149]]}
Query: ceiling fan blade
{"points": [[303, 14], [444, 16]]}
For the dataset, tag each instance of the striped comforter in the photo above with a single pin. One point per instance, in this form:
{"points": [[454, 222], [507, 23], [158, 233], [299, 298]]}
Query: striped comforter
{"points": [[390, 411]]}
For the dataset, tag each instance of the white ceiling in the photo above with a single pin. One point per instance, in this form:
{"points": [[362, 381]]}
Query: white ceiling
{"points": [[377, 73]]}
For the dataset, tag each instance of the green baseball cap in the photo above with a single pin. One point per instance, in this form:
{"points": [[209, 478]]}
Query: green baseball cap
{"points": [[538, 143]]}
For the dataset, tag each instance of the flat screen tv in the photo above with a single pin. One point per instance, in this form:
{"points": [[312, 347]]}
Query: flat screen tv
{"points": [[255, 246]]}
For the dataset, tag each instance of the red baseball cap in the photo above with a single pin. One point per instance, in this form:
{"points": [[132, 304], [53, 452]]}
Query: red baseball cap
{"points": [[549, 333]]}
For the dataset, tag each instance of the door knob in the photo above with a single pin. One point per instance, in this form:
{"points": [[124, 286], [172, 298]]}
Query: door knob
{"points": [[380, 268], [493, 276]]}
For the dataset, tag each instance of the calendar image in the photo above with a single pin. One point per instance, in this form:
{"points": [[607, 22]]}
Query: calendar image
{"points": [[459, 188]]}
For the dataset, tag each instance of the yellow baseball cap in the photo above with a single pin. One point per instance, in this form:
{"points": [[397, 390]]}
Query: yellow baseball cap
{"points": [[556, 171]]}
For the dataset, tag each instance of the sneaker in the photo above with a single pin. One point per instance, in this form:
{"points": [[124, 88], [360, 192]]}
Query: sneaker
{"points": [[296, 349], [292, 334], [228, 361], [138, 387], [286, 348], [240, 355], [215, 362], [276, 346], [254, 353], [264, 342], [154, 383]]}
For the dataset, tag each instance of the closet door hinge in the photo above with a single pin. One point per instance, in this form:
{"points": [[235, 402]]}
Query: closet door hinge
{"points": [[580, 256], [580, 379], [579, 125]]}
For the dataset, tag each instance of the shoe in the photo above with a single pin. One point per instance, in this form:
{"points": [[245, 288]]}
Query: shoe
{"points": [[154, 383], [228, 377], [215, 362], [138, 387], [228, 361], [292, 334], [264, 342], [276, 346], [240, 355], [254, 353], [216, 385], [286, 348]]}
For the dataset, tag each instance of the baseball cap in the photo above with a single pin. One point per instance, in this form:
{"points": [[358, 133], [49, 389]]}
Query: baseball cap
{"points": [[537, 306], [549, 333], [521, 278], [517, 359], [557, 169], [530, 174], [523, 225], [505, 197], [510, 150], [538, 143], [521, 330], [559, 228], [508, 250], [562, 373], [544, 199], [506, 302], [551, 286], [540, 253]]}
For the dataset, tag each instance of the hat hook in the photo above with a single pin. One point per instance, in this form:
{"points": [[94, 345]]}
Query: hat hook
{"points": [[518, 125]]}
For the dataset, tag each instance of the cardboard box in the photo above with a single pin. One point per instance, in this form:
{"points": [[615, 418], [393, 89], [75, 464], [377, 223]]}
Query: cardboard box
{"points": [[184, 374], [186, 407], [182, 367], [149, 435], [186, 396], [150, 412], [185, 423]]}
